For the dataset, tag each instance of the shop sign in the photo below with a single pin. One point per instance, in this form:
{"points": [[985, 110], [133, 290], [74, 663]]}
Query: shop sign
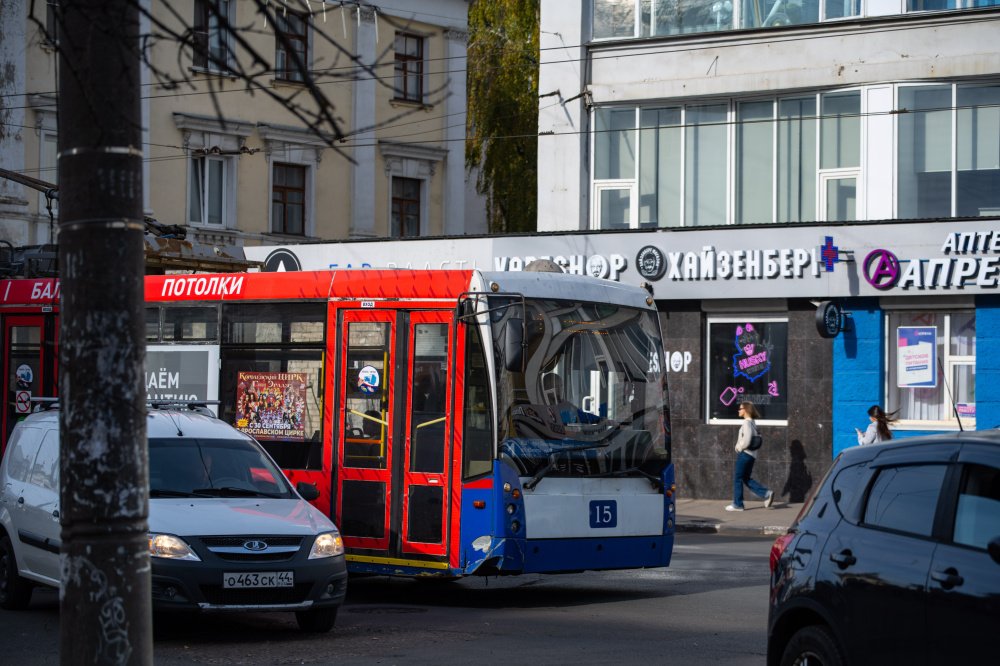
{"points": [[966, 410], [916, 356], [883, 270], [271, 405]]}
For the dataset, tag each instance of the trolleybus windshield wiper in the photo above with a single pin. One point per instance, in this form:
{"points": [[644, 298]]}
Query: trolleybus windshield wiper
{"points": [[554, 458]]}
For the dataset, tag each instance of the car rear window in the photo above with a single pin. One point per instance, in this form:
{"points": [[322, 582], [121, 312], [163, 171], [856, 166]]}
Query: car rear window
{"points": [[905, 498]]}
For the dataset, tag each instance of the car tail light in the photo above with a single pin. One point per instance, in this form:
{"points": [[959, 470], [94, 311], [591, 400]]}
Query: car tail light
{"points": [[778, 549]]}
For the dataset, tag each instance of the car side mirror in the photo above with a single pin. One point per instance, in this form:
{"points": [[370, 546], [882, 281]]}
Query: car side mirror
{"points": [[513, 345], [308, 491], [993, 548]]}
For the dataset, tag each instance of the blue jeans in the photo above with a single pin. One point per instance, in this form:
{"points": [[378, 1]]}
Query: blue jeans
{"points": [[744, 467]]}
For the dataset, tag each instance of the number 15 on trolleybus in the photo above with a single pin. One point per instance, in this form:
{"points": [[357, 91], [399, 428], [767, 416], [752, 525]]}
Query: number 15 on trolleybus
{"points": [[455, 422]]}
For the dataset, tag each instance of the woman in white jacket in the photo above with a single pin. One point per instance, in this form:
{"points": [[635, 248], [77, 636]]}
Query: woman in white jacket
{"points": [[878, 429], [745, 460]]}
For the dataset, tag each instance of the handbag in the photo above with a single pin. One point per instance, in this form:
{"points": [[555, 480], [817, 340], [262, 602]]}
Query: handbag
{"points": [[755, 443]]}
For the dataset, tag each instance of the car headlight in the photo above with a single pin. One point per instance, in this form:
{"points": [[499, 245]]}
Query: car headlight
{"points": [[171, 548], [327, 544]]}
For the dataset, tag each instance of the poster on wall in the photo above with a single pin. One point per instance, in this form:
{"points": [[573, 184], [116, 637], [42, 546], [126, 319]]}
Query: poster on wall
{"points": [[916, 356], [748, 363], [182, 373], [270, 405]]}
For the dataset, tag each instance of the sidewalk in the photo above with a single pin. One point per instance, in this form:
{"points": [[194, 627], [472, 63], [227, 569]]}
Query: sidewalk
{"points": [[711, 516]]}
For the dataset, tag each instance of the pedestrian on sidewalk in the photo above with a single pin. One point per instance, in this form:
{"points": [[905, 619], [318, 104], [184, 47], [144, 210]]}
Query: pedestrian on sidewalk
{"points": [[878, 429], [745, 458]]}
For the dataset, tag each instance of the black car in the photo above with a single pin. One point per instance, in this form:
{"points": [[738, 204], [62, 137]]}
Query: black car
{"points": [[894, 559]]}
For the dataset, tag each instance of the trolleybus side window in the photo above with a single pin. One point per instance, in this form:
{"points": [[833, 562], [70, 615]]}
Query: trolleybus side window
{"points": [[477, 446], [430, 391], [272, 378]]}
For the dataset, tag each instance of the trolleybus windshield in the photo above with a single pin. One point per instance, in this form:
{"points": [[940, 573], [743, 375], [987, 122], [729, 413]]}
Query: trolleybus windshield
{"points": [[590, 400]]}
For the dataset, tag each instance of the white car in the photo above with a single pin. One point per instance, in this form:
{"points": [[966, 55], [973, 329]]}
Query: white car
{"points": [[227, 532]]}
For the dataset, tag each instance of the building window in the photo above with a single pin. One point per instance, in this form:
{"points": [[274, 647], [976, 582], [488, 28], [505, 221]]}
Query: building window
{"points": [[944, 173], [52, 21], [623, 19], [49, 171], [747, 362], [213, 48], [207, 190], [788, 162], [409, 73], [931, 357], [291, 40], [288, 199], [405, 207], [945, 5]]}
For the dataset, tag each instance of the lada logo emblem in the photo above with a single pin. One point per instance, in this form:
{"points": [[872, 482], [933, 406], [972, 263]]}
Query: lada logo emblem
{"points": [[255, 545], [881, 269]]}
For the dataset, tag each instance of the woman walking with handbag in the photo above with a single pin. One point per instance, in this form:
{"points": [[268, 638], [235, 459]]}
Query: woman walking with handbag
{"points": [[745, 459]]}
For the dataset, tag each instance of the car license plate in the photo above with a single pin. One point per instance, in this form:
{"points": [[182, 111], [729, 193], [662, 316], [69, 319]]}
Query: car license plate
{"points": [[258, 579]]}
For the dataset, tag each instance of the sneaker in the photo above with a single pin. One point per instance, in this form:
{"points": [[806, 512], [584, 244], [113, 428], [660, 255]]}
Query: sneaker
{"points": [[769, 499], [733, 507]]}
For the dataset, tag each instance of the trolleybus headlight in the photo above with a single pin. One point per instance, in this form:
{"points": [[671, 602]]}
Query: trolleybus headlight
{"points": [[670, 524], [170, 547], [506, 487], [327, 544], [515, 526], [511, 509]]}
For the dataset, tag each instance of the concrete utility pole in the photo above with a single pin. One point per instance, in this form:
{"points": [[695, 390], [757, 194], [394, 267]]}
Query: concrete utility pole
{"points": [[105, 610]]}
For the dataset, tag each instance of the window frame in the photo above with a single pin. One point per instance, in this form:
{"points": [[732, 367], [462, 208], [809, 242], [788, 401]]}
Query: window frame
{"points": [[948, 361], [734, 319], [203, 160], [289, 74], [203, 31], [400, 66], [732, 158], [736, 20], [285, 189], [393, 199]]}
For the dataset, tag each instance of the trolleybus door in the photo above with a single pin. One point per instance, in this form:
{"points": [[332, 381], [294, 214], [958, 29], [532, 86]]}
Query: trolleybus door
{"points": [[29, 365], [364, 492], [425, 464]]}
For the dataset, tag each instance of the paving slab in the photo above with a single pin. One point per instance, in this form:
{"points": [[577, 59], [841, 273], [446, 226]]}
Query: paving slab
{"points": [[710, 516]]}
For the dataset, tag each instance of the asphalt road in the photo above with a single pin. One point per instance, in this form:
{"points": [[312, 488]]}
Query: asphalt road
{"points": [[709, 606]]}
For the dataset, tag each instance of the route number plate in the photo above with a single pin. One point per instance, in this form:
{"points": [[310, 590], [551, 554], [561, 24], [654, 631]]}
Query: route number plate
{"points": [[603, 513], [258, 579]]}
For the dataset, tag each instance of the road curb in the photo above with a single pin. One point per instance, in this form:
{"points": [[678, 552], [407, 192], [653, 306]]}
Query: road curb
{"points": [[723, 528]]}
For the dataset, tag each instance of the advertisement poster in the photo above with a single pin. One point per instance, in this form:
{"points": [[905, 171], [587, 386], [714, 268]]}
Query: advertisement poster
{"points": [[270, 405], [182, 373], [916, 355]]}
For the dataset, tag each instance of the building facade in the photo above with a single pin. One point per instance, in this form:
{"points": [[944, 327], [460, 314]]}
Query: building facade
{"points": [[750, 143], [240, 169]]}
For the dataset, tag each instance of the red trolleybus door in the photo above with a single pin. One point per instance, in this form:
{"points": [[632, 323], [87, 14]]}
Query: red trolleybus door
{"points": [[364, 492], [29, 365], [428, 420]]}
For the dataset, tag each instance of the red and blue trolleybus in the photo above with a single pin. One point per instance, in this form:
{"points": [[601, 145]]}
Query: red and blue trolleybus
{"points": [[455, 422]]}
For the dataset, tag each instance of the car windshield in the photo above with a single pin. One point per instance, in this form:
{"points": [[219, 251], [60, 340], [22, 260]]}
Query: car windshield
{"points": [[591, 400], [191, 467]]}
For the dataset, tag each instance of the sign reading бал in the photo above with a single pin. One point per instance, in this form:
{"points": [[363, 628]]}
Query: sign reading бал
{"points": [[270, 405], [916, 349]]}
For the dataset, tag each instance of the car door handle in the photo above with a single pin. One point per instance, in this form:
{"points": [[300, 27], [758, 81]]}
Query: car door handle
{"points": [[844, 559], [948, 578], [20, 500]]}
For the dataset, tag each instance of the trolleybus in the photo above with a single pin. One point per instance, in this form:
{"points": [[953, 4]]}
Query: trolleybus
{"points": [[455, 422]]}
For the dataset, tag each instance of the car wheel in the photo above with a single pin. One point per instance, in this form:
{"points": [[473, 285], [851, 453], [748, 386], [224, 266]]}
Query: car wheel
{"points": [[317, 620], [812, 646], [15, 592]]}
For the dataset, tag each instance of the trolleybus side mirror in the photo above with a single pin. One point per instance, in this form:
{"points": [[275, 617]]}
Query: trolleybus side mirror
{"points": [[513, 344]]}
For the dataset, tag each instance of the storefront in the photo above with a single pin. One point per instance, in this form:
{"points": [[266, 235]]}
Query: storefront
{"points": [[739, 313]]}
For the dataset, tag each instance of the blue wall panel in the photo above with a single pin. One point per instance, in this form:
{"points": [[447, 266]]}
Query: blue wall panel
{"points": [[987, 364], [858, 368]]}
